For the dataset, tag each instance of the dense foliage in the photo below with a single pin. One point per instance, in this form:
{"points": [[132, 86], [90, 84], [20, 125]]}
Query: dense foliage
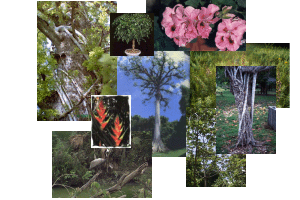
{"points": [[205, 168], [45, 81], [172, 133], [232, 171], [133, 26], [203, 79], [201, 157], [71, 157]]}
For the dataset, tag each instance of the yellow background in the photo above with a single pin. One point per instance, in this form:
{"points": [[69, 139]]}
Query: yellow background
{"points": [[26, 144]]}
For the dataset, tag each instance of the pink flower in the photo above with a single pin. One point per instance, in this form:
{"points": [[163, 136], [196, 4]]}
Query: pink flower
{"points": [[172, 21], [181, 41], [172, 30], [167, 14], [191, 13], [184, 24], [230, 33], [205, 18], [179, 17], [209, 13], [203, 29], [190, 23]]}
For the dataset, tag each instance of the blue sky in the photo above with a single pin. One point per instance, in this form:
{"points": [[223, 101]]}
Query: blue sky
{"points": [[126, 87]]}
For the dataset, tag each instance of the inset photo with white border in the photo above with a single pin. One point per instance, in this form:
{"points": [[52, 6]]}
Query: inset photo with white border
{"points": [[111, 121]]}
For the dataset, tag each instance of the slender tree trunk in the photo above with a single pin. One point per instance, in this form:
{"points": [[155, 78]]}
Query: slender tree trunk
{"points": [[253, 96], [205, 184], [195, 164], [245, 135], [133, 43], [157, 144]]}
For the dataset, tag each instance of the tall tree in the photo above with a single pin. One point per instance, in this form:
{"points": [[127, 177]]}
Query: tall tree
{"points": [[77, 38], [201, 145], [155, 81], [242, 86]]}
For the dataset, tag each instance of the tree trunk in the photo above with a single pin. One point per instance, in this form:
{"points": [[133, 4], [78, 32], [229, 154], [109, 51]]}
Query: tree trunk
{"points": [[205, 179], [253, 96], [196, 154], [239, 82], [157, 144], [133, 43], [70, 90], [69, 87]]}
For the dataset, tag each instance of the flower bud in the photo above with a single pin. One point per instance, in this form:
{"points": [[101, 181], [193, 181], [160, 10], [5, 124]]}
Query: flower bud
{"points": [[228, 16], [218, 14], [226, 9]]}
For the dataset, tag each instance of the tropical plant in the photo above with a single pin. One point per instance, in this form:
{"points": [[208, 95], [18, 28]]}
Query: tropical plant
{"points": [[110, 121]]}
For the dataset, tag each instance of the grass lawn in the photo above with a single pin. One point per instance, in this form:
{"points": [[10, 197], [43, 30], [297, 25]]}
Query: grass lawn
{"points": [[171, 153], [227, 123]]}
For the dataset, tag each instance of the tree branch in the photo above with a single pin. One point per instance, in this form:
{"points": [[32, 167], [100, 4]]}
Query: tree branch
{"points": [[48, 31], [87, 184], [73, 5], [80, 101], [126, 178]]}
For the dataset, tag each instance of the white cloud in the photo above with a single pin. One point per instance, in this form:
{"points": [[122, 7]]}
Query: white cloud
{"points": [[171, 89], [186, 83], [177, 56]]}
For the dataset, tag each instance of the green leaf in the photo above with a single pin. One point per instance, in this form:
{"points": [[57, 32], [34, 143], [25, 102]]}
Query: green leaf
{"points": [[193, 40], [241, 3], [194, 3], [225, 3]]}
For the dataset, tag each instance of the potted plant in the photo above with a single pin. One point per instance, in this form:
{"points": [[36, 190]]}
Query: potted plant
{"points": [[132, 27]]}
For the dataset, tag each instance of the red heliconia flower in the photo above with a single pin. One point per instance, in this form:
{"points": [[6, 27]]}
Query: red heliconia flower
{"points": [[102, 115], [117, 131]]}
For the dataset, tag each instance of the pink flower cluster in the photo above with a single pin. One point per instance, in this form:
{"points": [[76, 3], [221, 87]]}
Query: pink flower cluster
{"points": [[230, 34], [184, 24]]}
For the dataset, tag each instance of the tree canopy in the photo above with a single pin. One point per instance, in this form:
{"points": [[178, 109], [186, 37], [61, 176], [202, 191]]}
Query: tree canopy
{"points": [[133, 26], [154, 74]]}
